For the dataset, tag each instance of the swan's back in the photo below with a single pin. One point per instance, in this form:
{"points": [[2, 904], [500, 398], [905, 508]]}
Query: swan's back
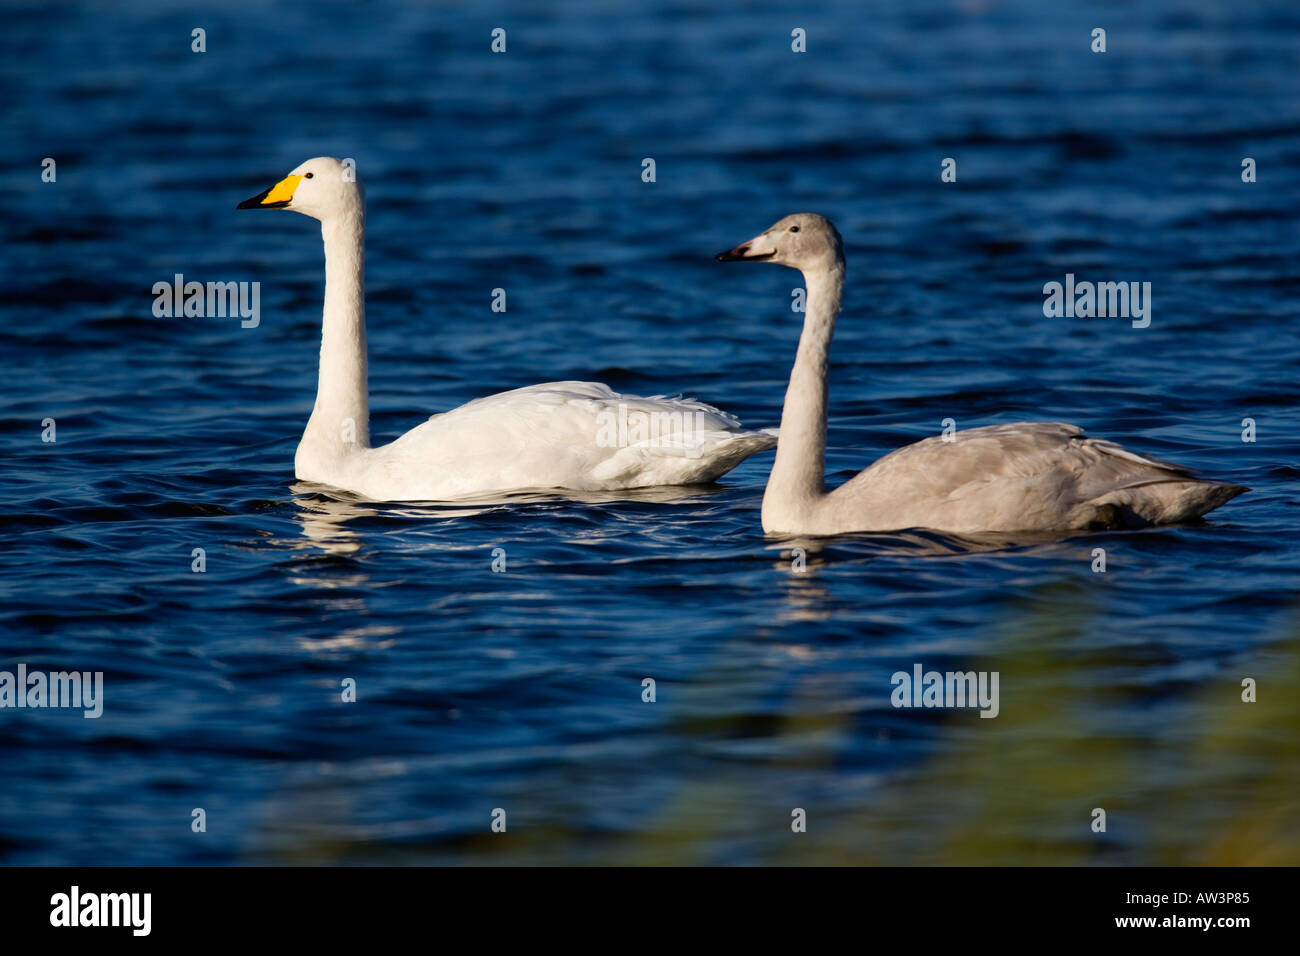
{"points": [[1023, 477], [578, 435]]}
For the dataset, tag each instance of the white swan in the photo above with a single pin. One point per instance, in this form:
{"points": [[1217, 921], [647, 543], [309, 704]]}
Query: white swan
{"points": [[1036, 476], [574, 435]]}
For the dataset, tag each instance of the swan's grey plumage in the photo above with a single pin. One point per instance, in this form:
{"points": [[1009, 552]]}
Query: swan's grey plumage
{"points": [[1031, 476], [569, 435]]}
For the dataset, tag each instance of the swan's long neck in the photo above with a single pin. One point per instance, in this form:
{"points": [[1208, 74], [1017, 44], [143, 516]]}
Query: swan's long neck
{"points": [[798, 474], [340, 422]]}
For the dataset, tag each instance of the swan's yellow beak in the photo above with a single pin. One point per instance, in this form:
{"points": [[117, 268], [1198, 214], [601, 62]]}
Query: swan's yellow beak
{"points": [[277, 197]]}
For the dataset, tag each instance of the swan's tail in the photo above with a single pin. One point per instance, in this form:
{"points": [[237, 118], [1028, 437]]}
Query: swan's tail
{"points": [[704, 458], [1157, 501], [1126, 489], [730, 452]]}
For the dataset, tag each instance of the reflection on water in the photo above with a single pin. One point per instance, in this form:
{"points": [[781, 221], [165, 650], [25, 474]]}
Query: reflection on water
{"points": [[324, 512], [324, 519]]}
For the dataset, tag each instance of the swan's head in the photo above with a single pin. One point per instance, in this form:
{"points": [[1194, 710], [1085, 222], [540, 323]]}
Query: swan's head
{"points": [[322, 188], [805, 241]]}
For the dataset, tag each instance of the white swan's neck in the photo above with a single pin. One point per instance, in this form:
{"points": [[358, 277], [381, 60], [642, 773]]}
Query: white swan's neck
{"points": [[340, 422], [797, 481]]}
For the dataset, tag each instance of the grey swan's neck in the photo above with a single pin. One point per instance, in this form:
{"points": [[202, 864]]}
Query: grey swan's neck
{"points": [[797, 482]]}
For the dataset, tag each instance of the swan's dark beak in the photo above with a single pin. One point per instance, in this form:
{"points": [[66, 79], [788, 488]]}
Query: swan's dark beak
{"points": [[755, 250], [276, 197], [259, 201]]}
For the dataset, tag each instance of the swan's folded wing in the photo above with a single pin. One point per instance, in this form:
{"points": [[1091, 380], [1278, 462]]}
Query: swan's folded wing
{"points": [[580, 435], [1022, 450], [1024, 475]]}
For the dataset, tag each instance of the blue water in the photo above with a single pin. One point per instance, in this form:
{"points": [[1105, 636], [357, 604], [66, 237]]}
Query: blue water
{"points": [[522, 690]]}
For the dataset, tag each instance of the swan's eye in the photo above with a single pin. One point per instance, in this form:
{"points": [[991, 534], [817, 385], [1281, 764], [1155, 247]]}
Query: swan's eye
{"points": [[794, 228], [309, 176]]}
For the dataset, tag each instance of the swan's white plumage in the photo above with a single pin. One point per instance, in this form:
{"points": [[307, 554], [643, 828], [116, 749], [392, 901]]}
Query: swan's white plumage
{"points": [[556, 435], [1032, 476], [546, 436]]}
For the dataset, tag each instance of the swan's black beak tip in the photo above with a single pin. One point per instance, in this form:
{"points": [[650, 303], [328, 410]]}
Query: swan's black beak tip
{"points": [[259, 201], [743, 253]]}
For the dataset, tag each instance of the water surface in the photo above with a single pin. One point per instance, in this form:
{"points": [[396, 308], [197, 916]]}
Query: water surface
{"points": [[522, 690]]}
